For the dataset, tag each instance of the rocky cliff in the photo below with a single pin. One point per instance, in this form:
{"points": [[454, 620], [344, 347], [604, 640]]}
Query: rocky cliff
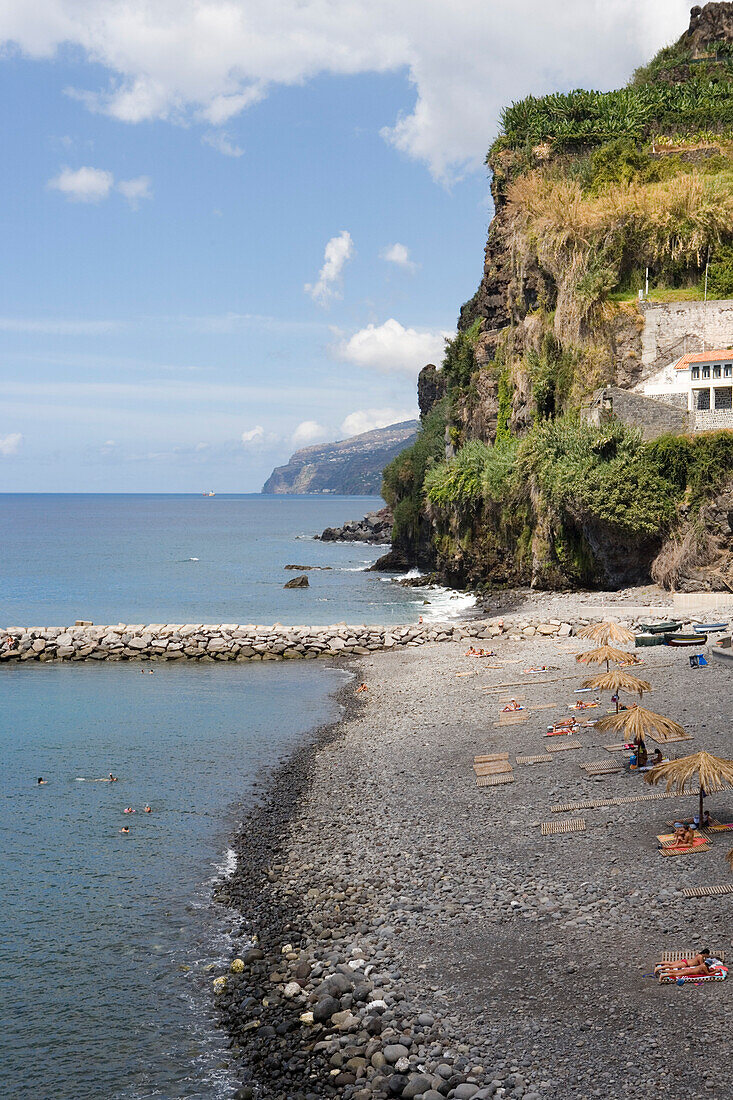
{"points": [[505, 485], [351, 466]]}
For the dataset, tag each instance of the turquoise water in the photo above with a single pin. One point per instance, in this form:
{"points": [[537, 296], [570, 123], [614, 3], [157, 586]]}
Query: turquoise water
{"points": [[144, 559], [106, 937], [96, 924]]}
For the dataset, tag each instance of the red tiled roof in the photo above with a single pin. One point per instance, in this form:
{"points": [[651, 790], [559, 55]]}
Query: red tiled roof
{"points": [[714, 356]]}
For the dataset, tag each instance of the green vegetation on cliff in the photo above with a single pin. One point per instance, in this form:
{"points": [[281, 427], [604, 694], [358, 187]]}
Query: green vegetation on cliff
{"points": [[506, 483]]}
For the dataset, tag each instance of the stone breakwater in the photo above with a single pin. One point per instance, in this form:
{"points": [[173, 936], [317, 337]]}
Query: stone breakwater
{"points": [[231, 642]]}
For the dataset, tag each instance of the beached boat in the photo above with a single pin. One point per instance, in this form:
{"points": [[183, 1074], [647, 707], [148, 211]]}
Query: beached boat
{"points": [[660, 628], [649, 639], [710, 628], [723, 651], [685, 639]]}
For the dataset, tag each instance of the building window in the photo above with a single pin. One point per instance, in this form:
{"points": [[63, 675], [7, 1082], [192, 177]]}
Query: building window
{"points": [[723, 398], [702, 399], [695, 373], [716, 372], [728, 370], [706, 372]]}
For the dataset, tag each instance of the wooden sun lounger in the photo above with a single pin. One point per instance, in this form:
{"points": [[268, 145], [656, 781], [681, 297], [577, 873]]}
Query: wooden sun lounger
{"points": [[487, 758], [672, 980], [678, 956], [512, 719], [683, 851], [493, 767], [708, 892], [573, 825], [622, 800], [562, 745], [540, 758], [602, 767], [494, 780], [670, 740]]}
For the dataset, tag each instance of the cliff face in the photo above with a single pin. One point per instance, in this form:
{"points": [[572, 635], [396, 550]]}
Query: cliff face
{"points": [[505, 485], [352, 466]]}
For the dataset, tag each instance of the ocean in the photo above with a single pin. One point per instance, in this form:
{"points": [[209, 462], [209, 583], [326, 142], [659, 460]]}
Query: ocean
{"points": [[108, 938]]}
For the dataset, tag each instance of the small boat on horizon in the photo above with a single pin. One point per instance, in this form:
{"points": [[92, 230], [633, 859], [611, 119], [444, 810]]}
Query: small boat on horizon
{"points": [[208, 493]]}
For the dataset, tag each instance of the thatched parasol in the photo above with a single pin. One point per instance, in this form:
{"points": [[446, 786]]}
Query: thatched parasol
{"points": [[606, 654], [607, 632], [618, 681], [640, 723], [729, 857], [701, 771]]}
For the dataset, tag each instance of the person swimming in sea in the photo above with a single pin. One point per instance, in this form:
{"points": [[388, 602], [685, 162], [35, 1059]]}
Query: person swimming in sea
{"points": [[147, 810], [41, 781], [112, 778], [124, 829], [128, 810]]}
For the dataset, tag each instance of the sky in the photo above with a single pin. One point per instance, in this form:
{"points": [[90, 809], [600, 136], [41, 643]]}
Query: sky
{"points": [[232, 228]]}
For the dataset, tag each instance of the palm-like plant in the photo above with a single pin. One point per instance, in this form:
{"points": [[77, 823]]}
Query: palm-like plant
{"points": [[638, 722], [617, 681], [700, 772], [607, 654], [606, 632]]}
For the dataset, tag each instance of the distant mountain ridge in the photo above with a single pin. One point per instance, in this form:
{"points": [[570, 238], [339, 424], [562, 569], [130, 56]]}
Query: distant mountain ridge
{"points": [[352, 466]]}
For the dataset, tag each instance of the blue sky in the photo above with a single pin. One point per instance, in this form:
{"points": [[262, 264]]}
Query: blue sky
{"points": [[173, 316]]}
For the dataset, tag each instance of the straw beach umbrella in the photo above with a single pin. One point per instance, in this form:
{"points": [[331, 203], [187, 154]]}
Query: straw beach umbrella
{"points": [[617, 681], [606, 632], [606, 654], [638, 722], [701, 772]]}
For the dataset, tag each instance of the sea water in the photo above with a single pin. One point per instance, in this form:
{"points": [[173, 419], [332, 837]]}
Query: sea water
{"points": [[107, 937], [113, 558]]}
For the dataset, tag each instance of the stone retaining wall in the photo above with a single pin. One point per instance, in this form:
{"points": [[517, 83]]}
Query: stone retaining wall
{"points": [[230, 642]]}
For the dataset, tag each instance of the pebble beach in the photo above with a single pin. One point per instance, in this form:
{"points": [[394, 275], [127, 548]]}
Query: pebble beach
{"points": [[402, 931]]}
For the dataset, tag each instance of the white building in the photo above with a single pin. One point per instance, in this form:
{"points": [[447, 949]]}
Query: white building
{"points": [[702, 383]]}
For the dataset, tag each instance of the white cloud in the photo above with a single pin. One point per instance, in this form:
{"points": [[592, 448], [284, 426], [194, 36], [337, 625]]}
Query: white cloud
{"points": [[219, 141], [84, 184], [366, 420], [135, 190], [392, 348], [95, 184], [309, 431], [398, 254], [208, 60], [253, 436], [9, 444], [338, 252]]}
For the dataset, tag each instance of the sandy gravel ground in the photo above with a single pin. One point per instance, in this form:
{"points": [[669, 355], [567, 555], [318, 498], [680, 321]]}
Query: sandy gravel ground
{"points": [[530, 956], [541, 944]]}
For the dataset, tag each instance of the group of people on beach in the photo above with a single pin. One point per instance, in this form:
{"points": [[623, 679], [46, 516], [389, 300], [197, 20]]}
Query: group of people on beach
{"points": [[702, 965]]}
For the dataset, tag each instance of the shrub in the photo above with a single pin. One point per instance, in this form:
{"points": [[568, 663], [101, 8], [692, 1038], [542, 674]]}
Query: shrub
{"points": [[459, 362], [402, 479], [720, 273]]}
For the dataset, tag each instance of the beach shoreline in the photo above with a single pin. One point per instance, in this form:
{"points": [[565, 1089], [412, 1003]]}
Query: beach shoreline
{"points": [[445, 948]]}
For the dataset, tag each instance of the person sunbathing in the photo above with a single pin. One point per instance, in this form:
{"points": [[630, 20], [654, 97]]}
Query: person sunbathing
{"points": [[512, 705], [361, 687], [684, 835]]}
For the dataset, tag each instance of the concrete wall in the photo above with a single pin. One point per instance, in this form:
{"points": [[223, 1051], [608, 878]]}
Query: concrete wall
{"points": [[653, 416], [673, 329]]}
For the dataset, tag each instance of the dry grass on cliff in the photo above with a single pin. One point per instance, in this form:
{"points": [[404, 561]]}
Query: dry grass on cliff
{"points": [[682, 555], [584, 241]]}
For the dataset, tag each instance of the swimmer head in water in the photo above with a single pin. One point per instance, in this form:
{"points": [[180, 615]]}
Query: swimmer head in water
{"points": [[41, 781], [148, 810], [124, 829]]}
